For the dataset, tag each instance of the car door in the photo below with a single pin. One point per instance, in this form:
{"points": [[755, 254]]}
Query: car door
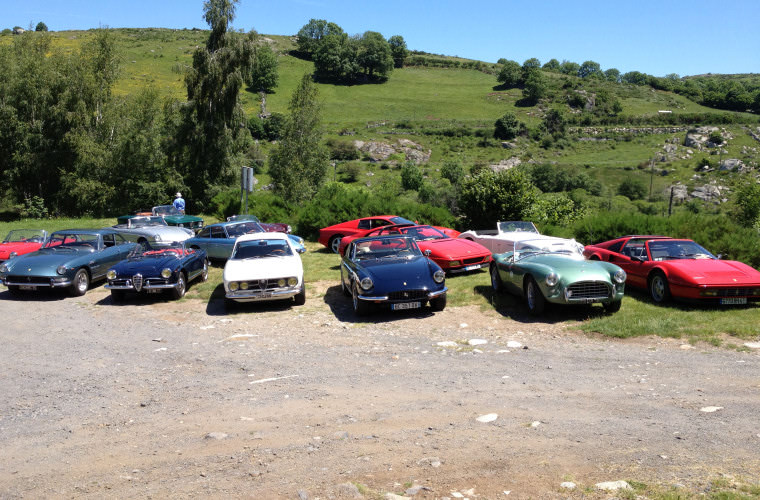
{"points": [[217, 246], [634, 259], [112, 248]]}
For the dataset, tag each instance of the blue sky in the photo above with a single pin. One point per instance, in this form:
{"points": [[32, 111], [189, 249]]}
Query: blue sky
{"points": [[657, 37]]}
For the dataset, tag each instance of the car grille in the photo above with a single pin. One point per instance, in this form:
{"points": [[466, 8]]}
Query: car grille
{"points": [[265, 285], [589, 290], [32, 280], [475, 260], [137, 282], [736, 292], [408, 295]]}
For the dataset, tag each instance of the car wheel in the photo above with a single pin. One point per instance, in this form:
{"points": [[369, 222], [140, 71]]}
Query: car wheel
{"points": [[496, 283], [334, 243], [594, 257], [658, 288], [179, 290], [534, 297], [117, 295], [204, 274], [361, 308], [300, 299], [612, 307], [81, 283], [438, 303]]}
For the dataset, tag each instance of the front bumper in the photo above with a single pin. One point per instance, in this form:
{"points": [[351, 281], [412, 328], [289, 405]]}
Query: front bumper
{"points": [[129, 284], [251, 295], [398, 297], [37, 281]]}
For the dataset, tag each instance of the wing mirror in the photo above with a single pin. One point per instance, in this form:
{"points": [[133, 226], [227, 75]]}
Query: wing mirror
{"points": [[427, 252]]}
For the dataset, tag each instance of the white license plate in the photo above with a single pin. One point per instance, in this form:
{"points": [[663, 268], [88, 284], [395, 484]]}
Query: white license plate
{"points": [[263, 295], [153, 290], [27, 287], [406, 305], [472, 268], [733, 300]]}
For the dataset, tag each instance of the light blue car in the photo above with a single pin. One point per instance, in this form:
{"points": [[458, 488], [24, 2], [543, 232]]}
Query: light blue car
{"points": [[218, 239]]}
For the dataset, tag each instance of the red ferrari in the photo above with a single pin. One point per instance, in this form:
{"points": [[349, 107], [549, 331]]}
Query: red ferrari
{"points": [[680, 269], [446, 250], [332, 235], [21, 241]]}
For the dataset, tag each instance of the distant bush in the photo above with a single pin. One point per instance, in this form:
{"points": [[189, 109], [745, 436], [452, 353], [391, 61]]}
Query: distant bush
{"points": [[633, 189], [342, 150], [411, 176]]}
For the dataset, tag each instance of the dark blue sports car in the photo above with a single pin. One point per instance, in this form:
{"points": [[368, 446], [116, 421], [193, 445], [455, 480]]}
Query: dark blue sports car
{"points": [[157, 267], [391, 270]]}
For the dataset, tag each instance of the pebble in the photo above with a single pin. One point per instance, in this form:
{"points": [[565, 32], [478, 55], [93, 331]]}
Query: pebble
{"points": [[447, 343], [710, 409], [535, 423], [489, 417], [752, 345], [477, 341], [216, 435], [613, 485], [568, 485], [514, 344]]}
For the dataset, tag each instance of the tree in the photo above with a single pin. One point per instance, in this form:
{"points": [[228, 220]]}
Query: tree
{"points": [[311, 34], [552, 65], [453, 171], [612, 75], [411, 176], [488, 197], [299, 161], [554, 123], [635, 78], [588, 69], [374, 55], [264, 76], [335, 58], [41, 27], [529, 66], [510, 74], [569, 68], [398, 50], [507, 127], [535, 86]]}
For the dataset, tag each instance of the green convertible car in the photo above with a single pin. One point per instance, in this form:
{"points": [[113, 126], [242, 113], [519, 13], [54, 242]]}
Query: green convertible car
{"points": [[558, 274]]}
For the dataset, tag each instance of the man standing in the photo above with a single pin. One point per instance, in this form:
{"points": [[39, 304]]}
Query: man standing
{"points": [[179, 203]]}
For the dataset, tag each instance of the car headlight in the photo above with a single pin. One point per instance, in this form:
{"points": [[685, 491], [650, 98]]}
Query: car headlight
{"points": [[619, 276], [156, 238], [111, 274], [244, 285], [552, 279], [234, 286], [166, 273], [292, 281], [3, 268], [61, 270], [281, 282], [439, 276], [366, 284]]}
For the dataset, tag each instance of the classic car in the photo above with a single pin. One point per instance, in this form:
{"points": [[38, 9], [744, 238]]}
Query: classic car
{"points": [[542, 272], [503, 238], [330, 236], [174, 217], [680, 269], [452, 254], [72, 258], [391, 271], [143, 228], [21, 241], [157, 267], [218, 239], [270, 227], [264, 266]]}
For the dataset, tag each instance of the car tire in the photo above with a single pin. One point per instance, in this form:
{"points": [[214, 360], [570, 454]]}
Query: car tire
{"points": [[533, 297], [361, 308], [81, 283], [181, 287], [659, 288], [334, 243], [204, 273], [438, 303], [117, 296], [612, 307], [496, 282], [300, 299]]}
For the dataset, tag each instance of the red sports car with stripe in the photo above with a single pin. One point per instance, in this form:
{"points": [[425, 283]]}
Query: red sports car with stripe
{"points": [[446, 250], [679, 269]]}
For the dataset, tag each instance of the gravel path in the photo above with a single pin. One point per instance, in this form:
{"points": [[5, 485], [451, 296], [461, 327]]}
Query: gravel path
{"points": [[157, 398]]}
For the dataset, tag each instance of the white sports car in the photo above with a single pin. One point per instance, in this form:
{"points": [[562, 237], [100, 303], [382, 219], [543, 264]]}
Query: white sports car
{"points": [[508, 233], [264, 266]]}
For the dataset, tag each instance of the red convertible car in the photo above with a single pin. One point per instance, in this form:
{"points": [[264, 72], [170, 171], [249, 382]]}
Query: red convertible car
{"points": [[21, 241], [451, 253], [680, 269], [330, 236]]}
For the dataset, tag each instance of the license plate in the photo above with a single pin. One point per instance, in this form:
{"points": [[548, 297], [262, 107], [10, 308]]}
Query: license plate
{"points": [[263, 295], [733, 300], [472, 268], [27, 287], [406, 305], [153, 290]]}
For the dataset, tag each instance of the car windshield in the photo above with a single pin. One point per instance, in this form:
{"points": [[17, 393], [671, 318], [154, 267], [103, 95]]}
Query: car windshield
{"points": [[386, 248], [423, 233], [517, 226], [256, 249], [166, 210], [233, 218], [235, 230], [530, 248], [159, 249], [677, 249], [400, 220], [136, 222], [69, 239], [25, 235]]}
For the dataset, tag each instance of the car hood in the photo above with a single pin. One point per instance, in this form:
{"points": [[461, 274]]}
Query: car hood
{"points": [[571, 268], [451, 248], [398, 274], [713, 272], [167, 233], [263, 268], [46, 259], [145, 265]]}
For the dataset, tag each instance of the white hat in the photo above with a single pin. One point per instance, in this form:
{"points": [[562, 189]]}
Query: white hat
{"points": [[178, 195]]}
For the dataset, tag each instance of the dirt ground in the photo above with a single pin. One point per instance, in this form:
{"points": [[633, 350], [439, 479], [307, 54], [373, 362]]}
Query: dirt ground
{"points": [[154, 399]]}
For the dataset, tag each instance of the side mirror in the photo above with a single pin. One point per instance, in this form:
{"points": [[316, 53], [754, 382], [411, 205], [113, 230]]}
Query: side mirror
{"points": [[719, 256], [428, 252]]}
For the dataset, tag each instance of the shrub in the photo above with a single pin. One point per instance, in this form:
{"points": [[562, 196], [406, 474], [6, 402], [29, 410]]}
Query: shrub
{"points": [[453, 171], [342, 150], [633, 189], [351, 171], [34, 208], [411, 176], [507, 127]]}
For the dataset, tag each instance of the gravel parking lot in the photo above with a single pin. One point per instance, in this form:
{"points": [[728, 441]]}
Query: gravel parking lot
{"points": [[155, 398]]}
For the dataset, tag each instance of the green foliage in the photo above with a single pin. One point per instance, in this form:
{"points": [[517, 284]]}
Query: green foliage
{"points": [[263, 75], [41, 27], [375, 56], [342, 150], [632, 188], [589, 69], [453, 171], [554, 123], [556, 209], [411, 176], [508, 127], [551, 65], [510, 74], [351, 171], [299, 161], [34, 208], [313, 32], [225, 204], [488, 197], [747, 201], [399, 51], [535, 86], [716, 137]]}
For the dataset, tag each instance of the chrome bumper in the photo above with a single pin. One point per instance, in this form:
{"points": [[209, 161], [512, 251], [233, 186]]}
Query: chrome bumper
{"points": [[257, 295], [385, 298]]}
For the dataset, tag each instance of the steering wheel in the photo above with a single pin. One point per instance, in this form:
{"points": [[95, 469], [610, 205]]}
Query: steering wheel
{"points": [[278, 251]]}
